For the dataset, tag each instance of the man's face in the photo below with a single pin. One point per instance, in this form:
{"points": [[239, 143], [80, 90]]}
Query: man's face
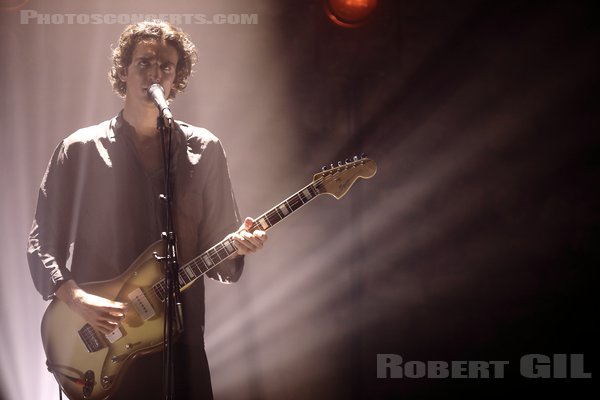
{"points": [[152, 62]]}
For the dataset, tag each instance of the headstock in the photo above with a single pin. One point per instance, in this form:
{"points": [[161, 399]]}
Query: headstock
{"points": [[336, 180]]}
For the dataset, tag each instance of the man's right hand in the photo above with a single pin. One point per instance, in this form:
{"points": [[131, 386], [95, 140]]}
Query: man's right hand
{"points": [[102, 314]]}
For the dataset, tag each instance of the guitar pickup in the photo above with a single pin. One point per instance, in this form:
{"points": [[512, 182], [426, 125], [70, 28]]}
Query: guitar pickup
{"points": [[141, 304]]}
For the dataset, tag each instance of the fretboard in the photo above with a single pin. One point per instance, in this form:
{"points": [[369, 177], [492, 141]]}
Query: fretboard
{"points": [[222, 250]]}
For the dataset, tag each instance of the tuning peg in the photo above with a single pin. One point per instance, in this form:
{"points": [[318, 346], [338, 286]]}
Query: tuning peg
{"points": [[324, 168], [332, 166], [340, 163], [348, 161], [355, 158], [363, 155]]}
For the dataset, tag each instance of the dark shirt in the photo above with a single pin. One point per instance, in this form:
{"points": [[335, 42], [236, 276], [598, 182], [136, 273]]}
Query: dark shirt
{"points": [[98, 205]]}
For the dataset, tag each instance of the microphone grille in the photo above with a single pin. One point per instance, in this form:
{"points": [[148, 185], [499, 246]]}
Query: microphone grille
{"points": [[154, 87]]}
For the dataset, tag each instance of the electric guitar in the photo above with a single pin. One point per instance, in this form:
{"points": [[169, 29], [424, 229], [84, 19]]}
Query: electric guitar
{"points": [[88, 365]]}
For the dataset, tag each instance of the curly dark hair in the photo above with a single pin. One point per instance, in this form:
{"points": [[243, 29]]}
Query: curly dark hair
{"points": [[152, 30]]}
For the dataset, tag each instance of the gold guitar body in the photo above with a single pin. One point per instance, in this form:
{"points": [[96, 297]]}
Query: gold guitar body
{"points": [[141, 332]]}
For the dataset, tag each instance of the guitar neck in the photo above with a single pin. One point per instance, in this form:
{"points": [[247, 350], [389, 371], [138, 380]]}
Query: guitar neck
{"points": [[286, 208], [214, 256]]}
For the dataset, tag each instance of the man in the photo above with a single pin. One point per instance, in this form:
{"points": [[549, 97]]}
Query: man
{"points": [[99, 205]]}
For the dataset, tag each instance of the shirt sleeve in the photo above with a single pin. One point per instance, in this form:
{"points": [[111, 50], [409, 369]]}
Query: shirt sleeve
{"points": [[49, 240], [221, 213]]}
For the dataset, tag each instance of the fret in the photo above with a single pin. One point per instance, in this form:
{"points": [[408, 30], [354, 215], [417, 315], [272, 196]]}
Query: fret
{"points": [[288, 206], [307, 194], [207, 260], [206, 268], [159, 290], [282, 210], [269, 219], [301, 197], [214, 257], [222, 253], [285, 208], [273, 217], [229, 247], [198, 267], [296, 202], [183, 274], [190, 274], [277, 217], [263, 223]]}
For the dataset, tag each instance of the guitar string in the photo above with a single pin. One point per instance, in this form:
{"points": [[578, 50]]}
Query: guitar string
{"points": [[317, 184], [158, 287]]}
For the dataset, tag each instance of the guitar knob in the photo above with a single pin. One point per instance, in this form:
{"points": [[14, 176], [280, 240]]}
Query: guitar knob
{"points": [[106, 381]]}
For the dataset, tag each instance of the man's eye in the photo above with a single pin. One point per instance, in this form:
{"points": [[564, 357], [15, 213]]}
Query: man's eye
{"points": [[167, 68], [143, 63]]}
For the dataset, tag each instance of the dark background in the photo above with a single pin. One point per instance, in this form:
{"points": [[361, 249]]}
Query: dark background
{"points": [[478, 239], [493, 107]]}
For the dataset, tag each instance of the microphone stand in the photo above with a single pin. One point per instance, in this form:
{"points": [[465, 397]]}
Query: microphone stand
{"points": [[173, 322]]}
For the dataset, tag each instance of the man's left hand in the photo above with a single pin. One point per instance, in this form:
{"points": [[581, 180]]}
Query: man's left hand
{"points": [[248, 242]]}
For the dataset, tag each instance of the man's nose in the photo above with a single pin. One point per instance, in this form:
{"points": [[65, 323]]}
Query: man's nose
{"points": [[155, 73]]}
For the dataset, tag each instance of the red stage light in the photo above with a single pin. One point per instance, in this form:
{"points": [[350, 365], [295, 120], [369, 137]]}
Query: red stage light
{"points": [[349, 13]]}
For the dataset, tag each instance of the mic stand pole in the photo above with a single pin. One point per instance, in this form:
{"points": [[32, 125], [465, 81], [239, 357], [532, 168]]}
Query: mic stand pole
{"points": [[173, 322]]}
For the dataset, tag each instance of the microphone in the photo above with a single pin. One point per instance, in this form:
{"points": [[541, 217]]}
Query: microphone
{"points": [[157, 93]]}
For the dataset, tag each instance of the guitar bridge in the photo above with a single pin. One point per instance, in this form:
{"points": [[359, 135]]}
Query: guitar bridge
{"points": [[90, 339]]}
